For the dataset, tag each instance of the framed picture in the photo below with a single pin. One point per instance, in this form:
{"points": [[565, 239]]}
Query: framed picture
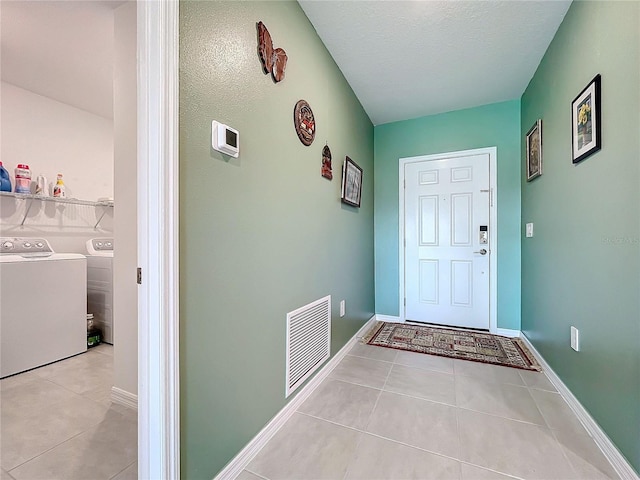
{"points": [[585, 121], [534, 151], [351, 183]]}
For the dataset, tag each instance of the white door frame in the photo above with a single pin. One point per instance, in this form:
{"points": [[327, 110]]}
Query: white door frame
{"points": [[158, 327], [493, 226]]}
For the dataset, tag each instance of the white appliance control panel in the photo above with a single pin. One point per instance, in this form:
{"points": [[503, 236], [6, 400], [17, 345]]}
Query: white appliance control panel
{"points": [[25, 246], [99, 245]]}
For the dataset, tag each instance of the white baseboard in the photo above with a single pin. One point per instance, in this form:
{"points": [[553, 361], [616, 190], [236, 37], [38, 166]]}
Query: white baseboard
{"points": [[507, 332], [122, 397], [242, 459], [615, 457], [387, 318]]}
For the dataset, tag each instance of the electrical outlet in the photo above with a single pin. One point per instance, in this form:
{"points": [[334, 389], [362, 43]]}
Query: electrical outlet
{"points": [[575, 338], [342, 308]]}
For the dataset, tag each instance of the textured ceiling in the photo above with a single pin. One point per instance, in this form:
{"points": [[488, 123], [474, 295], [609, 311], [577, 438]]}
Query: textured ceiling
{"points": [[407, 59], [403, 59], [61, 49]]}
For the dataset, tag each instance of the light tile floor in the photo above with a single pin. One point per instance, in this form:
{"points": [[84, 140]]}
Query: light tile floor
{"points": [[386, 414], [58, 422]]}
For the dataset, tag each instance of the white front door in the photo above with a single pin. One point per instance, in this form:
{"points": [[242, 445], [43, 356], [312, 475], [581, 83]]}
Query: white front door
{"points": [[447, 231]]}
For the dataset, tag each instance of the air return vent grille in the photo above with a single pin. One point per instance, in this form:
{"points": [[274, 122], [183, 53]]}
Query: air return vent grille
{"points": [[308, 341]]}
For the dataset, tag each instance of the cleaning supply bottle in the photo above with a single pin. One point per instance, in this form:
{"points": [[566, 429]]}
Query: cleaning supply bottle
{"points": [[23, 179], [41, 186], [5, 179], [59, 189]]}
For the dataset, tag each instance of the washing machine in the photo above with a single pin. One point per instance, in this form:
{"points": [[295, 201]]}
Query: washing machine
{"points": [[43, 304], [100, 285]]}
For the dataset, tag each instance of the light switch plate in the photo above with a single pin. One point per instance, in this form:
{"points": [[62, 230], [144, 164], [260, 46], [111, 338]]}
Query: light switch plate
{"points": [[529, 230], [342, 308], [575, 338]]}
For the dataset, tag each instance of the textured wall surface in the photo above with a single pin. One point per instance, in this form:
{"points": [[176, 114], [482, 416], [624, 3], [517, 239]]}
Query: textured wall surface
{"points": [[491, 125], [263, 234], [582, 266]]}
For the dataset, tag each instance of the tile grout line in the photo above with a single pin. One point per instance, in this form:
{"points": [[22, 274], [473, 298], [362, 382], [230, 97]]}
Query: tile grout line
{"points": [[511, 384], [368, 358], [447, 404], [398, 442], [457, 411], [114, 476], [509, 475], [564, 454], [346, 472], [36, 377], [365, 432], [49, 449], [256, 474]]}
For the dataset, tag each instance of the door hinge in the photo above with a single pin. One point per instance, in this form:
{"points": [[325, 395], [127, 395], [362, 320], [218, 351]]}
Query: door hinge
{"points": [[405, 301], [139, 276]]}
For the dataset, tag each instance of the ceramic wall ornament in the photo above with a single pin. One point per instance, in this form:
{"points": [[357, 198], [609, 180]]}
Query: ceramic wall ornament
{"points": [[326, 163], [304, 122], [274, 61]]}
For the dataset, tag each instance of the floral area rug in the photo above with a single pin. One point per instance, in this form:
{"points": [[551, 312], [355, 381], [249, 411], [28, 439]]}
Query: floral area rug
{"points": [[462, 344]]}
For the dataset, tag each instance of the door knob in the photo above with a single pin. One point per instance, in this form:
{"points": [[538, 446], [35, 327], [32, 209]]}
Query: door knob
{"points": [[482, 252]]}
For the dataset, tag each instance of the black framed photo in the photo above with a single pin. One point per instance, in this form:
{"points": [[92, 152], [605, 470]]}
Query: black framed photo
{"points": [[586, 130], [534, 151], [351, 183]]}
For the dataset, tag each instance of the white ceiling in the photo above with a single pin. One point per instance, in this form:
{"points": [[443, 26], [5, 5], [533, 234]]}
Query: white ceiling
{"points": [[407, 59], [403, 59], [61, 49]]}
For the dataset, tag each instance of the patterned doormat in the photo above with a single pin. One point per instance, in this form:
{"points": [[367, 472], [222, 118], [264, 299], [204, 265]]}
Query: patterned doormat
{"points": [[462, 344]]}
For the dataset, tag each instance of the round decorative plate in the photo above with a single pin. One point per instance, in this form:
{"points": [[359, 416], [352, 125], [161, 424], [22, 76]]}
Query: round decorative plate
{"points": [[304, 122]]}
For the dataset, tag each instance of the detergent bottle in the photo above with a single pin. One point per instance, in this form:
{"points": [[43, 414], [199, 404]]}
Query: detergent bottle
{"points": [[59, 189], [5, 179], [23, 179]]}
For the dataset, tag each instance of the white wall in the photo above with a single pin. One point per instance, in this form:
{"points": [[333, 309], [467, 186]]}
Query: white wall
{"points": [[125, 288], [53, 137]]}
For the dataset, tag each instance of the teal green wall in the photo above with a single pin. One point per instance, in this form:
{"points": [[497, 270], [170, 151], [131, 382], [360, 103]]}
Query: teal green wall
{"points": [[263, 234], [487, 126], [582, 267]]}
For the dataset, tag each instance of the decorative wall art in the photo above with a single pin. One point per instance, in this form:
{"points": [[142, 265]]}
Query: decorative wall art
{"points": [[274, 61], [534, 151], [304, 122], [326, 163], [351, 183], [585, 121]]}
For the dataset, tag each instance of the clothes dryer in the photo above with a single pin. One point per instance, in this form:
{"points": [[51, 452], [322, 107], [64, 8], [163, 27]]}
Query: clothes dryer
{"points": [[100, 285]]}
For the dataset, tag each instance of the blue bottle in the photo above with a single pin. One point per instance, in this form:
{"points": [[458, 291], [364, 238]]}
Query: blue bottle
{"points": [[5, 180]]}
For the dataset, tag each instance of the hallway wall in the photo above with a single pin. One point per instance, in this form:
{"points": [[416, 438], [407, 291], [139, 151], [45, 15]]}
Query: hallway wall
{"points": [[582, 266], [486, 126], [263, 234]]}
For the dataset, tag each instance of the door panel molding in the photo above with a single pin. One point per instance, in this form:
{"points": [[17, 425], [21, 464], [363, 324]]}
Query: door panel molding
{"points": [[493, 221]]}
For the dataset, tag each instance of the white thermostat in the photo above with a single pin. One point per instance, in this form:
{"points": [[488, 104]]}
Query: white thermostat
{"points": [[225, 139]]}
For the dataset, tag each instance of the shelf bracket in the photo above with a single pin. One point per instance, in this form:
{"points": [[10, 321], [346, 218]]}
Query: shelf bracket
{"points": [[27, 212], [104, 212]]}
